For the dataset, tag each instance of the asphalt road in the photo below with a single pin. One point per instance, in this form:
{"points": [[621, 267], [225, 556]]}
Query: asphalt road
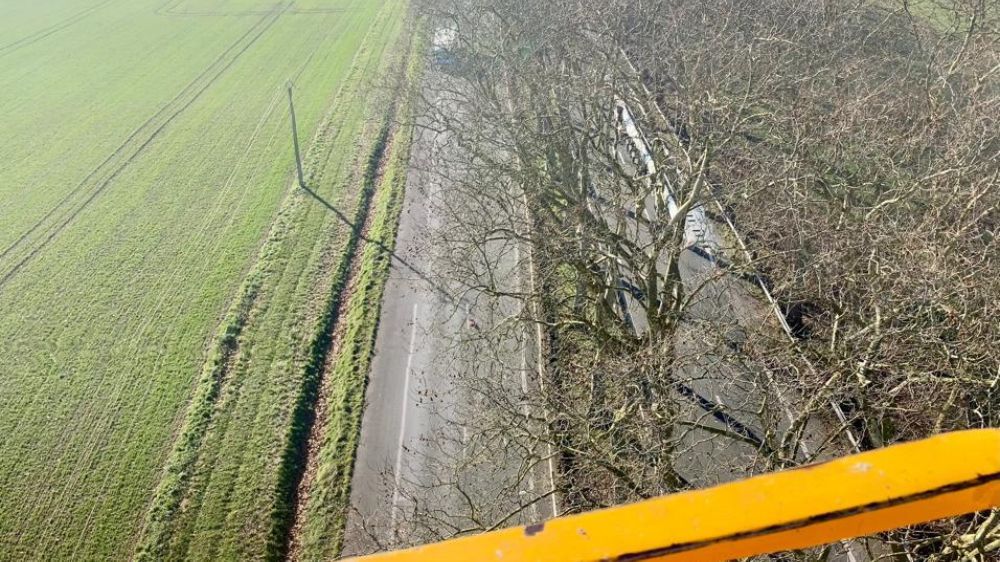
{"points": [[424, 467]]}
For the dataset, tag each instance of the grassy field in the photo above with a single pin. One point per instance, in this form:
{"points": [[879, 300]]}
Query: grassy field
{"points": [[168, 296]]}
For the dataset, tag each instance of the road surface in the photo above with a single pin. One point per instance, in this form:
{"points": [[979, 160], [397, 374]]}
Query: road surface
{"points": [[423, 469]]}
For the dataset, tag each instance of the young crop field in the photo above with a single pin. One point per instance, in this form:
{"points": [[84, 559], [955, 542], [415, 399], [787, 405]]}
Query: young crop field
{"points": [[184, 331]]}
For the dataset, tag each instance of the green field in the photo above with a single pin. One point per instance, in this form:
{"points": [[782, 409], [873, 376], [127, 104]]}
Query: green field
{"points": [[173, 308]]}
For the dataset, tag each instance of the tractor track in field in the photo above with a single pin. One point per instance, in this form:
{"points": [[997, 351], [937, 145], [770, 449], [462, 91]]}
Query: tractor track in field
{"points": [[169, 9], [227, 353], [80, 197], [229, 349], [54, 28], [317, 12]]}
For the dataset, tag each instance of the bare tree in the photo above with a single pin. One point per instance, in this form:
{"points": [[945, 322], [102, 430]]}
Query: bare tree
{"points": [[853, 145]]}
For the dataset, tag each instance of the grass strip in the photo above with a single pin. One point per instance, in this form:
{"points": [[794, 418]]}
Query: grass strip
{"points": [[327, 505], [167, 501]]}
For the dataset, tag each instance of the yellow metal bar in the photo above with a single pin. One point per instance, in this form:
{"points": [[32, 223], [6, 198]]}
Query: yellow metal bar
{"points": [[852, 496]]}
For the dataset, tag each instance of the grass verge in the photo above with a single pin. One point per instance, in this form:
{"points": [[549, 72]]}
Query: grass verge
{"points": [[324, 509], [224, 489]]}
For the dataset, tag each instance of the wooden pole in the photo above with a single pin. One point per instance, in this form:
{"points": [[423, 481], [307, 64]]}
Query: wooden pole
{"points": [[295, 139]]}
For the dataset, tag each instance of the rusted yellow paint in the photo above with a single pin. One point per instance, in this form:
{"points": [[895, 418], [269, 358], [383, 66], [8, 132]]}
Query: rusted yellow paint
{"points": [[852, 496]]}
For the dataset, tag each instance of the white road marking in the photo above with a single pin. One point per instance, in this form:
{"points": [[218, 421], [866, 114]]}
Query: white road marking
{"points": [[527, 415], [402, 419], [524, 376]]}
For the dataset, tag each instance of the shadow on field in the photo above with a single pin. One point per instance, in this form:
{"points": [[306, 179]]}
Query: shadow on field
{"points": [[395, 257]]}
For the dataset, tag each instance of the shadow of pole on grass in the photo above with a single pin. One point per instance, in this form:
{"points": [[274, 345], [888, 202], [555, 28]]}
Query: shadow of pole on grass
{"points": [[381, 245]]}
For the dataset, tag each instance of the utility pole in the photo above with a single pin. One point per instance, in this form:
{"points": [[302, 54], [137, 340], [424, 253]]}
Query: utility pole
{"points": [[295, 138]]}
